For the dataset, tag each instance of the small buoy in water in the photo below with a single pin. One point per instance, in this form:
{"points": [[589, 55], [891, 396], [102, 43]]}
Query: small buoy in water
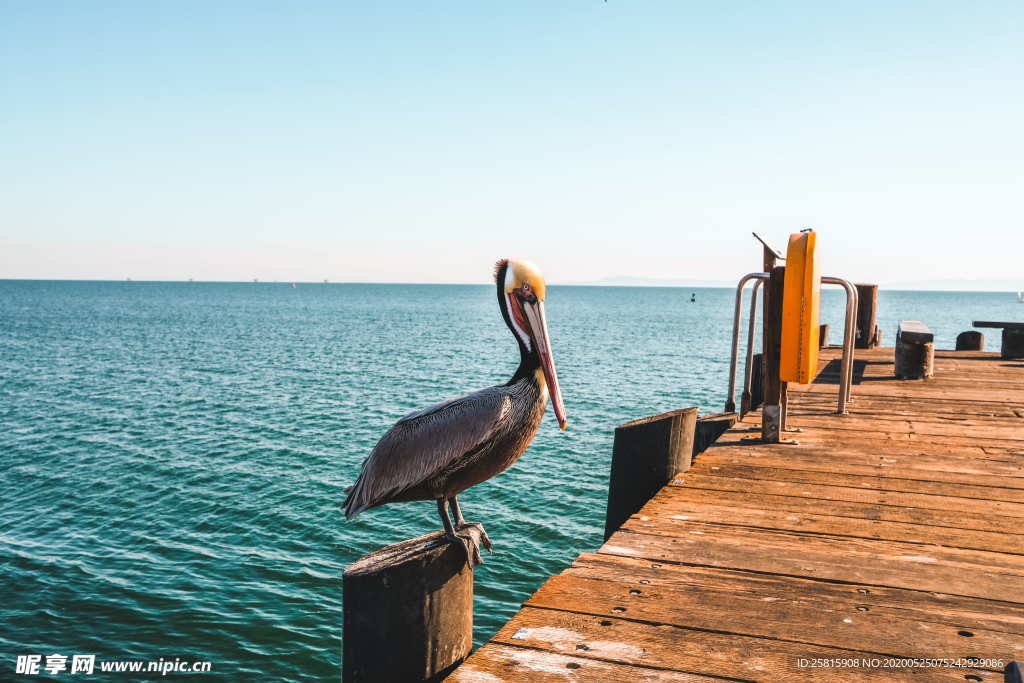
{"points": [[693, 298]]}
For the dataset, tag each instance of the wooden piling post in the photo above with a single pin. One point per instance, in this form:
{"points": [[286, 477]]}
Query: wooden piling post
{"points": [[751, 397], [823, 335], [709, 428], [915, 351], [868, 333], [408, 612], [771, 411], [1013, 343], [970, 341], [1013, 337], [646, 455], [914, 361]]}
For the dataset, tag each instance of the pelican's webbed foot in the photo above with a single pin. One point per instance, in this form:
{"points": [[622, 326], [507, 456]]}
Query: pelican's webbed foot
{"points": [[485, 540], [470, 535]]}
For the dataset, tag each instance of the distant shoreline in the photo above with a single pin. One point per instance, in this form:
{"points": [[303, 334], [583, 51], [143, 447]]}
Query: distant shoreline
{"points": [[896, 287]]}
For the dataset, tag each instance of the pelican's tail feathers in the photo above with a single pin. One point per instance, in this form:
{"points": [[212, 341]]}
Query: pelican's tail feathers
{"points": [[355, 501], [347, 506]]}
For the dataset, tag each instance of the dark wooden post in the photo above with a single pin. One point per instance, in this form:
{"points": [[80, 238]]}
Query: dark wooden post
{"points": [[915, 361], [1013, 343], [1013, 337], [771, 411], [915, 351], [408, 613], [970, 341], [823, 335], [709, 428], [646, 455], [752, 398], [868, 334]]}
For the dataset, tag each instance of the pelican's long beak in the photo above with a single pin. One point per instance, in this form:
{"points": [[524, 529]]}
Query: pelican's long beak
{"points": [[539, 330]]}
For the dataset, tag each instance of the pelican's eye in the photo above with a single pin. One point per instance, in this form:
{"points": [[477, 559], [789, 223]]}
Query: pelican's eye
{"points": [[525, 293]]}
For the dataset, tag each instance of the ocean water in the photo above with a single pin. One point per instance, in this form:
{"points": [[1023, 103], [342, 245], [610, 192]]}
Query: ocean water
{"points": [[172, 455]]}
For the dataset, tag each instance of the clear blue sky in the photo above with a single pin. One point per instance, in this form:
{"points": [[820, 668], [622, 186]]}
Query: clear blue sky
{"points": [[419, 141]]}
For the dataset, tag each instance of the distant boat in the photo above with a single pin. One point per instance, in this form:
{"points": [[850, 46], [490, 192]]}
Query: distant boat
{"points": [[255, 279], [693, 298], [1020, 297], [128, 279], [293, 285]]}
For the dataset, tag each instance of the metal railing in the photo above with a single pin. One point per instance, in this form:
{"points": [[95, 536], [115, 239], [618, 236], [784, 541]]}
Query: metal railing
{"points": [[730, 403], [849, 331]]}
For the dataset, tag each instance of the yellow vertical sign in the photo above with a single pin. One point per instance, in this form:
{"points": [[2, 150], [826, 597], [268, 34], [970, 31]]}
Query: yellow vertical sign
{"points": [[801, 302]]}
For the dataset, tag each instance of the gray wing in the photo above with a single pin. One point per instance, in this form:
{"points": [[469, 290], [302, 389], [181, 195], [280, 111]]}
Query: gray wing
{"points": [[422, 444]]}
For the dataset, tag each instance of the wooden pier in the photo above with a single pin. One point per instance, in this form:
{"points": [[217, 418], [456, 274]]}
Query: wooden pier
{"points": [[887, 544]]}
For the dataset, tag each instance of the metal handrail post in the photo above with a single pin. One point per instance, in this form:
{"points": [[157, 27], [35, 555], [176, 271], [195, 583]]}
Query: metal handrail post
{"points": [[745, 398], [846, 370], [856, 314], [730, 403]]}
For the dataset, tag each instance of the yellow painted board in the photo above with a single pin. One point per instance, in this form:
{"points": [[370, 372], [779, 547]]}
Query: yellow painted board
{"points": [[801, 303]]}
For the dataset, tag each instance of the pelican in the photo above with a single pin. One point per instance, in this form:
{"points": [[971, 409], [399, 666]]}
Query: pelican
{"points": [[439, 452]]}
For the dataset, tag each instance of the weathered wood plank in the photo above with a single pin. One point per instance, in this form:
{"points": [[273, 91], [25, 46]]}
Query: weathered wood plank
{"points": [[700, 480], [890, 513], [876, 482], [829, 559], [867, 442], [689, 532], [881, 417], [924, 469], [667, 517], [802, 619], [495, 662], [939, 432], [692, 651], [1003, 325], [937, 607], [873, 410], [949, 389], [922, 405], [1001, 468], [950, 365], [884, 405]]}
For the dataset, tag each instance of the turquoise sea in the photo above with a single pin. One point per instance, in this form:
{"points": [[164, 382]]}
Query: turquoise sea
{"points": [[172, 455]]}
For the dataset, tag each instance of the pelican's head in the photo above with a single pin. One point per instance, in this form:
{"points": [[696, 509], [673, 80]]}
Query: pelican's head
{"points": [[521, 293]]}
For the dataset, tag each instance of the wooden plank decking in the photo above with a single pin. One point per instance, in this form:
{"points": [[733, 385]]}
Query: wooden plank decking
{"points": [[894, 532]]}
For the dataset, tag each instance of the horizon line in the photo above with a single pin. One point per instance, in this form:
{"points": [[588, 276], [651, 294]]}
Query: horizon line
{"points": [[894, 288]]}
